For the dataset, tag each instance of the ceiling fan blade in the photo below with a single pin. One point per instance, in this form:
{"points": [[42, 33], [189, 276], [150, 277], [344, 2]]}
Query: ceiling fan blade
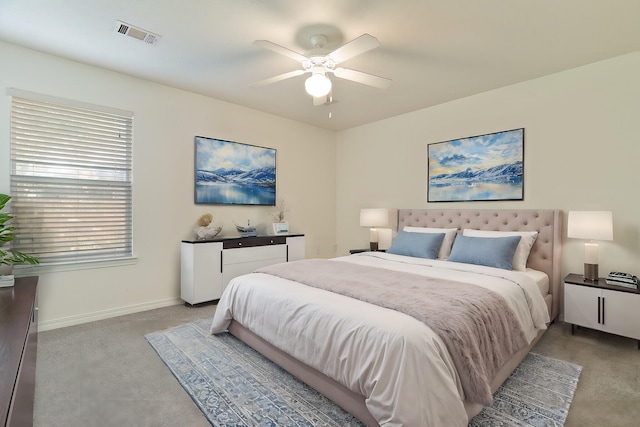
{"points": [[280, 49], [355, 47], [277, 78], [364, 78]]}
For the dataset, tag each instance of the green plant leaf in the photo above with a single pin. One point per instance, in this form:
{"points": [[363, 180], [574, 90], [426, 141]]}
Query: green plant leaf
{"points": [[4, 199], [10, 256]]}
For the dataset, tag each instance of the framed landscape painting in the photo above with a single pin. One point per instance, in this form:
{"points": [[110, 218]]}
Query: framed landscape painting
{"points": [[477, 168], [233, 173]]}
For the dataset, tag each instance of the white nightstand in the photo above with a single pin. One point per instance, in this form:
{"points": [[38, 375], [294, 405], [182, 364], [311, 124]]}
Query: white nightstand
{"points": [[596, 305]]}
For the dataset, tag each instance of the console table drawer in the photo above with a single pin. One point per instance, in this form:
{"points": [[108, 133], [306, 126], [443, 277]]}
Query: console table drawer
{"points": [[244, 242], [236, 262], [256, 253]]}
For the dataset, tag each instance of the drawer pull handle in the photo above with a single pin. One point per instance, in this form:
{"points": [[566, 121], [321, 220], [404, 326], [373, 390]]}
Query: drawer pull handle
{"points": [[240, 244]]}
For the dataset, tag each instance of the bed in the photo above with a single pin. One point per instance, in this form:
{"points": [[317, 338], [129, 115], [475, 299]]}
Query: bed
{"points": [[382, 365]]}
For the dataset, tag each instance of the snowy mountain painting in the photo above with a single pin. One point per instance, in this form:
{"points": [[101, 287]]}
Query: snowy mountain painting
{"points": [[484, 167], [233, 173]]}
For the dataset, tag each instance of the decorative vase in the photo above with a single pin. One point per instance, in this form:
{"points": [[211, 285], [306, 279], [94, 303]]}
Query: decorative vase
{"points": [[6, 270]]}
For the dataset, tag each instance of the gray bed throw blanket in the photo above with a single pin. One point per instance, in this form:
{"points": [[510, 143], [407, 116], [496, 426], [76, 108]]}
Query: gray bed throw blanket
{"points": [[477, 326]]}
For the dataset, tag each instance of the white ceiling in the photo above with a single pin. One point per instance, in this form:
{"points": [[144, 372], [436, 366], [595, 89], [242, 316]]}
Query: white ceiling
{"points": [[433, 50]]}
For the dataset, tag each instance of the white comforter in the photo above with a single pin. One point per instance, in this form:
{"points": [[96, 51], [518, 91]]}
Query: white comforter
{"points": [[403, 368]]}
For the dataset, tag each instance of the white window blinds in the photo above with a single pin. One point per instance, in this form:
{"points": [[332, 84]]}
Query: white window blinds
{"points": [[71, 181]]}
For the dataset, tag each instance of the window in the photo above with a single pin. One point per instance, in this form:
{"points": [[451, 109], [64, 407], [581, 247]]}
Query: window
{"points": [[71, 180]]}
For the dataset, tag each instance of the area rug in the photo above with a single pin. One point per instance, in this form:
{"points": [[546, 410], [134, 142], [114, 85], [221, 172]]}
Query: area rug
{"points": [[537, 393], [233, 385]]}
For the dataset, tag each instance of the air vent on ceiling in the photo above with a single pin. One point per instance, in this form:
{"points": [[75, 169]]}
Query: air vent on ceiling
{"points": [[137, 33]]}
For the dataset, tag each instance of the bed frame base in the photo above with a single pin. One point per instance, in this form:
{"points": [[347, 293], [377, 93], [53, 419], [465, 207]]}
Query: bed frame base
{"points": [[348, 400]]}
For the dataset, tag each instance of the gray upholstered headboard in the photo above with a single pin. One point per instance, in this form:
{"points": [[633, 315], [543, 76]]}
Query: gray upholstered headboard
{"points": [[545, 254]]}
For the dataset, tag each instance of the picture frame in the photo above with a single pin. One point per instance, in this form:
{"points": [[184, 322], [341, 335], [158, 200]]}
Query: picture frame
{"points": [[280, 228], [487, 167], [234, 173]]}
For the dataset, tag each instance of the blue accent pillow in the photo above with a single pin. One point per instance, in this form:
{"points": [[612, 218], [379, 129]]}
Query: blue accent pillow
{"points": [[420, 245], [490, 251]]}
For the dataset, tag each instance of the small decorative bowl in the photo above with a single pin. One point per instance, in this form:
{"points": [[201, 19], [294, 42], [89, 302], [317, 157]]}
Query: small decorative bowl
{"points": [[208, 232], [247, 231]]}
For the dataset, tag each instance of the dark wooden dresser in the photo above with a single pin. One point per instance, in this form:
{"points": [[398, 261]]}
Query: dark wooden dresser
{"points": [[18, 347]]}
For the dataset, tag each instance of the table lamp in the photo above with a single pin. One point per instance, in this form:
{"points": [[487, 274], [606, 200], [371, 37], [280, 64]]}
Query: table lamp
{"points": [[374, 218], [592, 225]]}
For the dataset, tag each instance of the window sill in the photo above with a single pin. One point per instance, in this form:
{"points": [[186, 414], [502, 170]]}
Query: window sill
{"points": [[30, 270]]}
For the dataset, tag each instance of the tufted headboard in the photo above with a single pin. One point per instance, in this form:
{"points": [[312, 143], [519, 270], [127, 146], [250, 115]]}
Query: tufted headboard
{"points": [[545, 253]]}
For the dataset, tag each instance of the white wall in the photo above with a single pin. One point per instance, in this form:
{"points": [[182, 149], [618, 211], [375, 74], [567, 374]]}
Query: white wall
{"points": [[582, 148], [582, 152], [165, 123]]}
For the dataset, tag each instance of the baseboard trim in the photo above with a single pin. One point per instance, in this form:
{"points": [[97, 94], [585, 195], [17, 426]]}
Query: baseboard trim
{"points": [[105, 314]]}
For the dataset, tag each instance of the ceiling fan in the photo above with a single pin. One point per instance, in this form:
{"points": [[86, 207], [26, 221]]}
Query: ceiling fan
{"points": [[319, 63]]}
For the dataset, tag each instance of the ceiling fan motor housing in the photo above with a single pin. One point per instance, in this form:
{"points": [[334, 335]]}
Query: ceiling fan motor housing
{"points": [[318, 41]]}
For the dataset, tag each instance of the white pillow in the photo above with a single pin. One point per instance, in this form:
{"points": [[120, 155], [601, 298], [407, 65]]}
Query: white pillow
{"points": [[449, 237], [527, 239]]}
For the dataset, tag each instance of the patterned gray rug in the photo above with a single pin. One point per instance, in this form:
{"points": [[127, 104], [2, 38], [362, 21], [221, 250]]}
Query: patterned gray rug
{"points": [[234, 385]]}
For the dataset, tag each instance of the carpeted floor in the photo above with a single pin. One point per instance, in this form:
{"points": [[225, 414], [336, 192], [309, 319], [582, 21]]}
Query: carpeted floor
{"points": [[105, 374], [235, 386]]}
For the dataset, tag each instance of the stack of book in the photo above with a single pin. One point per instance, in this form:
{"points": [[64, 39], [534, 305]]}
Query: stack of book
{"points": [[6, 281], [622, 279]]}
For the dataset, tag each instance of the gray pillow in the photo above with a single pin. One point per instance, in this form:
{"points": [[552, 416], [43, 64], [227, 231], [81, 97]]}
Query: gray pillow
{"points": [[420, 245], [490, 251]]}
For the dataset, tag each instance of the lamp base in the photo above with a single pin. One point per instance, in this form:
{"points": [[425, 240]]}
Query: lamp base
{"points": [[591, 272], [373, 246], [384, 239]]}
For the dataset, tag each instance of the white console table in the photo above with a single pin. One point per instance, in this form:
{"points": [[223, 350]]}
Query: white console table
{"points": [[207, 266]]}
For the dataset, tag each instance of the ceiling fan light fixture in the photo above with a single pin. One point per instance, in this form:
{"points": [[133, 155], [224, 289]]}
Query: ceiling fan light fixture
{"points": [[318, 85]]}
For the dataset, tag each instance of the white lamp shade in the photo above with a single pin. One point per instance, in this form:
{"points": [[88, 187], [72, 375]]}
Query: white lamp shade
{"points": [[318, 85], [592, 225], [374, 217]]}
